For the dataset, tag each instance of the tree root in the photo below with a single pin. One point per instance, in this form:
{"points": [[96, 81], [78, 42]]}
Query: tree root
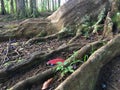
{"points": [[35, 59], [36, 78], [89, 71], [39, 39], [78, 55], [108, 26], [66, 31], [78, 33], [39, 78], [100, 18]]}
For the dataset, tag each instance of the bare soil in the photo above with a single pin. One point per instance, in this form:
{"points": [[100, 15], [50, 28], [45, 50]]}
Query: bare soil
{"points": [[109, 78]]}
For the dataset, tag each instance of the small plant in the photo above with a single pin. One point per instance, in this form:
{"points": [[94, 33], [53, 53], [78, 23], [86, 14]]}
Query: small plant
{"points": [[85, 58], [68, 67], [64, 69]]}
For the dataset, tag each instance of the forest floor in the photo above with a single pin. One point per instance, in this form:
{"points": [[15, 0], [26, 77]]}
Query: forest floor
{"points": [[110, 74]]}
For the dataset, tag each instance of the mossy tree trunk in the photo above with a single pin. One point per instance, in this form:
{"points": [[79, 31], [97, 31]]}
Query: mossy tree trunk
{"points": [[74, 11], [20, 8], [3, 11], [33, 8], [11, 6]]}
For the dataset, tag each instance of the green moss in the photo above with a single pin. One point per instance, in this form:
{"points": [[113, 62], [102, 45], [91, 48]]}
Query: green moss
{"points": [[11, 26], [42, 34], [7, 64], [67, 31], [116, 19]]}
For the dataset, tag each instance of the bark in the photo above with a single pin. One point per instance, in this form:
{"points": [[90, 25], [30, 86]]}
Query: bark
{"points": [[11, 6], [108, 26], [33, 8], [74, 10], [3, 11], [20, 8]]}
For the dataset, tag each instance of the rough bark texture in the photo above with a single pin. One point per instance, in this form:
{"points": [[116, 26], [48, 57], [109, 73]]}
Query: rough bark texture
{"points": [[75, 10], [32, 27], [70, 14], [85, 77]]}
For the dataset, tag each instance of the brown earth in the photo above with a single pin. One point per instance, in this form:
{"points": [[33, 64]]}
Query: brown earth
{"points": [[109, 78]]}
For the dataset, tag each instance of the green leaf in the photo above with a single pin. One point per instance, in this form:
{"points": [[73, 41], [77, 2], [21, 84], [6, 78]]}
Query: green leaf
{"points": [[59, 63], [85, 58], [66, 70], [66, 62], [71, 71]]}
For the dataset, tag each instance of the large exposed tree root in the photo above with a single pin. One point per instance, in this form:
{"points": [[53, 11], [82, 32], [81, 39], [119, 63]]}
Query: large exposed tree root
{"points": [[36, 59], [39, 78], [80, 54], [39, 39], [86, 50], [61, 34], [89, 71]]}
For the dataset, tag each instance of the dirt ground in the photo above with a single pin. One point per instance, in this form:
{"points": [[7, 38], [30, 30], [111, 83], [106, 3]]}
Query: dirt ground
{"points": [[110, 74], [109, 78]]}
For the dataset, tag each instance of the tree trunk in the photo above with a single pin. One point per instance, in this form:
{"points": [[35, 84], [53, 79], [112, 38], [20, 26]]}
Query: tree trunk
{"points": [[11, 6], [3, 11], [33, 8], [74, 10], [20, 7]]}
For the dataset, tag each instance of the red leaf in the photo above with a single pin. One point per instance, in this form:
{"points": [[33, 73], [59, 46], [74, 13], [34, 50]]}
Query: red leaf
{"points": [[55, 61]]}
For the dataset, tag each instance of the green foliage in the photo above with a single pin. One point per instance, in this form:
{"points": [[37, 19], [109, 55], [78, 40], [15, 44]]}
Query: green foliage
{"points": [[116, 19], [67, 67], [7, 64], [85, 58], [42, 34], [64, 69], [20, 60], [66, 31], [101, 16], [85, 27]]}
